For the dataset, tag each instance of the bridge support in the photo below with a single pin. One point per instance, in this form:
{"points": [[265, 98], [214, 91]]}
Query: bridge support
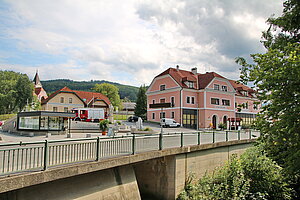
{"points": [[109, 184], [164, 178]]}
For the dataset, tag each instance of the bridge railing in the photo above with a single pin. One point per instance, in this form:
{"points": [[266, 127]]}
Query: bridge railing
{"points": [[33, 156]]}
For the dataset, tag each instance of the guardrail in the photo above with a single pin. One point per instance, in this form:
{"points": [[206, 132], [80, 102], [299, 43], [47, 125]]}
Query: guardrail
{"points": [[33, 156]]}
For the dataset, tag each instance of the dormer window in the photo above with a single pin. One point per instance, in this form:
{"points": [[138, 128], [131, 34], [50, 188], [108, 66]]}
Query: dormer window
{"points": [[216, 87], [190, 84], [245, 93], [224, 88], [162, 87]]}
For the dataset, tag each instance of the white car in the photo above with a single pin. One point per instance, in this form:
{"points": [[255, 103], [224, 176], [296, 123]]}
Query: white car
{"points": [[166, 122]]}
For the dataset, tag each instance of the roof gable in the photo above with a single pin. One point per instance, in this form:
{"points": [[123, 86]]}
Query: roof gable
{"points": [[85, 97], [180, 76]]}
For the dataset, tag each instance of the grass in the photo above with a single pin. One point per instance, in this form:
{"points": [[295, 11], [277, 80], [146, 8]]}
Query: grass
{"points": [[6, 116], [121, 117]]}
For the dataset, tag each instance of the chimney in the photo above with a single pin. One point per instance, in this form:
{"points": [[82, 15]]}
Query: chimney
{"points": [[177, 67], [194, 70]]}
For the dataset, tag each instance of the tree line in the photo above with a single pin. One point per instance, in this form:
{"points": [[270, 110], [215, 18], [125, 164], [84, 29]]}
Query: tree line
{"points": [[124, 91]]}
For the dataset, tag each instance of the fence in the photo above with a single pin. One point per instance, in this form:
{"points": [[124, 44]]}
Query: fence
{"points": [[33, 156]]}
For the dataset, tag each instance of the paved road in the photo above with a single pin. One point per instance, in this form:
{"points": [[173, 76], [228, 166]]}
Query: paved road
{"points": [[9, 138]]}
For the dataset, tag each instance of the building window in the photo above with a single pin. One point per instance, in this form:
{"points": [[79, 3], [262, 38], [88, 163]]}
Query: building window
{"points": [[65, 109], [172, 101], [215, 101], [153, 101], [153, 115], [162, 87], [193, 100], [245, 93], [216, 87], [190, 84], [246, 105], [172, 115], [225, 102], [255, 106], [188, 99], [54, 109], [235, 104], [224, 88], [70, 100], [162, 115], [163, 100], [61, 100]]}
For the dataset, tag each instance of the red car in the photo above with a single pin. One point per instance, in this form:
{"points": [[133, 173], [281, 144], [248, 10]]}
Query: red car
{"points": [[1, 123]]}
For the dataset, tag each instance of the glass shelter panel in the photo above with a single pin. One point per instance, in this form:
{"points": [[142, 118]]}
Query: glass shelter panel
{"points": [[29, 123]]}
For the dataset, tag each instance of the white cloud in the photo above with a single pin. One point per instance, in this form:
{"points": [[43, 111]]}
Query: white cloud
{"points": [[103, 39]]}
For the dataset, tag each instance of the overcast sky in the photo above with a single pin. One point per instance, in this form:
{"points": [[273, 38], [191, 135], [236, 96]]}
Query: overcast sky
{"points": [[129, 41]]}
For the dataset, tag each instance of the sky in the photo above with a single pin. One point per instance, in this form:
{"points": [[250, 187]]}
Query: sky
{"points": [[132, 41]]}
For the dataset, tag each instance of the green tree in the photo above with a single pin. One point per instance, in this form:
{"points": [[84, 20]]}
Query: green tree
{"points": [[24, 91], [141, 103], [252, 176], [276, 77], [111, 91], [15, 91]]}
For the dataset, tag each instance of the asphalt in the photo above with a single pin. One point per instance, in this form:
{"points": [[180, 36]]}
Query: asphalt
{"points": [[13, 138]]}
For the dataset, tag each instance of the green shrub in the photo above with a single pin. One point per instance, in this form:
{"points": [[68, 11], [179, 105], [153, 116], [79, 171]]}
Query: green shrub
{"points": [[103, 125], [252, 176], [6, 116], [222, 126], [147, 129], [246, 126], [119, 123]]}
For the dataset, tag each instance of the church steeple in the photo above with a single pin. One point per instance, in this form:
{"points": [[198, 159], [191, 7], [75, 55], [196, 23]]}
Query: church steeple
{"points": [[36, 81]]}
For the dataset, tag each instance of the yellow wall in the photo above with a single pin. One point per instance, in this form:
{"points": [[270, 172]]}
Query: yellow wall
{"points": [[56, 102]]}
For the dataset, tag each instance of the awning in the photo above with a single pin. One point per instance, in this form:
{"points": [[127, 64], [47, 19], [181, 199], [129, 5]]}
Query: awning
{"points": [[237, 119]]}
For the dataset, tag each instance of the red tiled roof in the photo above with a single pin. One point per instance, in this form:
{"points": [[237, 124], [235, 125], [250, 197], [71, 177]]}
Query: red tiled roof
{"points": [[84, 96], [203, 79], [180, 75], [241, 87], [89, 96]]}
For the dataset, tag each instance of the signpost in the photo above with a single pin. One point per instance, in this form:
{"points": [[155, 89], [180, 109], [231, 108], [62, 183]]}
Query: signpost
{"points": [[160, 105]]}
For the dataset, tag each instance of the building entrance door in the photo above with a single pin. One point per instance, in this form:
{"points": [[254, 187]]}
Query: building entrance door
{"points": [[214, 121], [225, 121], [190, 118]]}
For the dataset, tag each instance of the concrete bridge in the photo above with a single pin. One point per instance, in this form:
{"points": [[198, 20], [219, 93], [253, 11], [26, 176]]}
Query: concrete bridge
{"points": [[156, 174]]}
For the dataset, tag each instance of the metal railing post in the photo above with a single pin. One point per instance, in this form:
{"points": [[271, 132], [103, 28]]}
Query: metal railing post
{"points": [[213, 136], [226, 136], [199, 138], [181, 139], [46, 154], [239, 135], [98, 149], [133, 144], [160, 141]]}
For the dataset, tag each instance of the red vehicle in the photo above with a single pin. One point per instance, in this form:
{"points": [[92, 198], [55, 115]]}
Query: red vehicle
{"points": [[89, 114]]}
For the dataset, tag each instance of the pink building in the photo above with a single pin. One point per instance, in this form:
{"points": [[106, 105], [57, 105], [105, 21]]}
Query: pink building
{"points": [[201, 100]]}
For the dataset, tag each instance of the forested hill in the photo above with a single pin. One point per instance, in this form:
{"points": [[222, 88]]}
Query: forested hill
{"points": [[124, 90]]}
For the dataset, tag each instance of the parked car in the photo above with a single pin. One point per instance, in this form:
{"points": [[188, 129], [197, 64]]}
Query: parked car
{"points": [[133, 119], [166, 122]]}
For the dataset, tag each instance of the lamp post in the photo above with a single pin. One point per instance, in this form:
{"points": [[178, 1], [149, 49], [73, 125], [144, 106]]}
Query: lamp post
{"points": [[161, 106]]}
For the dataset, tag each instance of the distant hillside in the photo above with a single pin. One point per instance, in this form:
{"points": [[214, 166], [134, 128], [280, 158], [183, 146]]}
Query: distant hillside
{"points": [[125, 90]]}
